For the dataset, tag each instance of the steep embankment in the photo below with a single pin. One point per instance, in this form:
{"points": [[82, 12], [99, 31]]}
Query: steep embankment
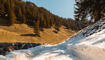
{"points": [[89, 44], [24, 34], [92, 44]]}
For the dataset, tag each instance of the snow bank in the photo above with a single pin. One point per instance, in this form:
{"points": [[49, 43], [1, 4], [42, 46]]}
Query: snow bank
{"points": [[90, 48], [2, 57]]}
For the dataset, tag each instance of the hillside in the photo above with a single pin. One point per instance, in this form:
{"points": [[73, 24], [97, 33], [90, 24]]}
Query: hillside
{"points": [[25, 22], [22, 33], [88, 44], [26, 12]]}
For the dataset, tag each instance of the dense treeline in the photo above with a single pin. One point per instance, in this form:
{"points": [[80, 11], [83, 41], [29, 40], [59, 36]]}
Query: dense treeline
{"points": [[18, 11], [90, 9]]}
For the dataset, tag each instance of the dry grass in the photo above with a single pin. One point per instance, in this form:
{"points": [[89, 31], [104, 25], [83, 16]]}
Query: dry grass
{"points": [[12, 34]]}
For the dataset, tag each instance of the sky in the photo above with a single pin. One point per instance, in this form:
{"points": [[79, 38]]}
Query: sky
{"points": [[62, 8]]}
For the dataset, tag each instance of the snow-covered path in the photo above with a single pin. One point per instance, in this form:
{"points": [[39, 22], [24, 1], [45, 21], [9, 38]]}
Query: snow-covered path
{"points": [[89, 44]]}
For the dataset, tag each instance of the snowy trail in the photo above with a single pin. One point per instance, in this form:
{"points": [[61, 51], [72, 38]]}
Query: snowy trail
{"points": [[89, 44]]}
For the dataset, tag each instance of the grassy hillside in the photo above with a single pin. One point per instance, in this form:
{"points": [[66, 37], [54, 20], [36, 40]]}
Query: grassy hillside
{"points": [[24, 34]]}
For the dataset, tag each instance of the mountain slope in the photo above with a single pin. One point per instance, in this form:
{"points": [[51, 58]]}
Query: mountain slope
{"points": [[22, 33], [88, 44]]}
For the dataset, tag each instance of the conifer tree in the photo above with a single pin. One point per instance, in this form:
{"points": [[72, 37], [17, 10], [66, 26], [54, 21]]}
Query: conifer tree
{"points": [[2, 8], [24, 19], [12, 15], [12, 18], [93, 9], [37, 28]]}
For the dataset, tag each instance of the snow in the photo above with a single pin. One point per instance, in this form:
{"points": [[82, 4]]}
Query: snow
{"points": [[92, 47], [88, 44], [2, 57], [79, 1]]}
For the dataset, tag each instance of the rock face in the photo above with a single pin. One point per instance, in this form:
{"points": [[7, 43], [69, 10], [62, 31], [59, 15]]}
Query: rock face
{"points": [[8, 47]]}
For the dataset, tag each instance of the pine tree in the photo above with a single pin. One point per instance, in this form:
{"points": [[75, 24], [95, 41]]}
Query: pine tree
{"points": [[37, 28], [24, 19], [90, 8], [12, 18], [2, 8], [12, 15]]}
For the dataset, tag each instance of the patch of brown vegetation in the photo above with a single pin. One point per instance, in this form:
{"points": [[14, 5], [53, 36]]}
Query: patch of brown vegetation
{"points": [[21, 33]]}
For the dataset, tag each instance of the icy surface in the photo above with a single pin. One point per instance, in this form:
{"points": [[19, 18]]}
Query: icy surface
{"points": [[88, 44]]}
